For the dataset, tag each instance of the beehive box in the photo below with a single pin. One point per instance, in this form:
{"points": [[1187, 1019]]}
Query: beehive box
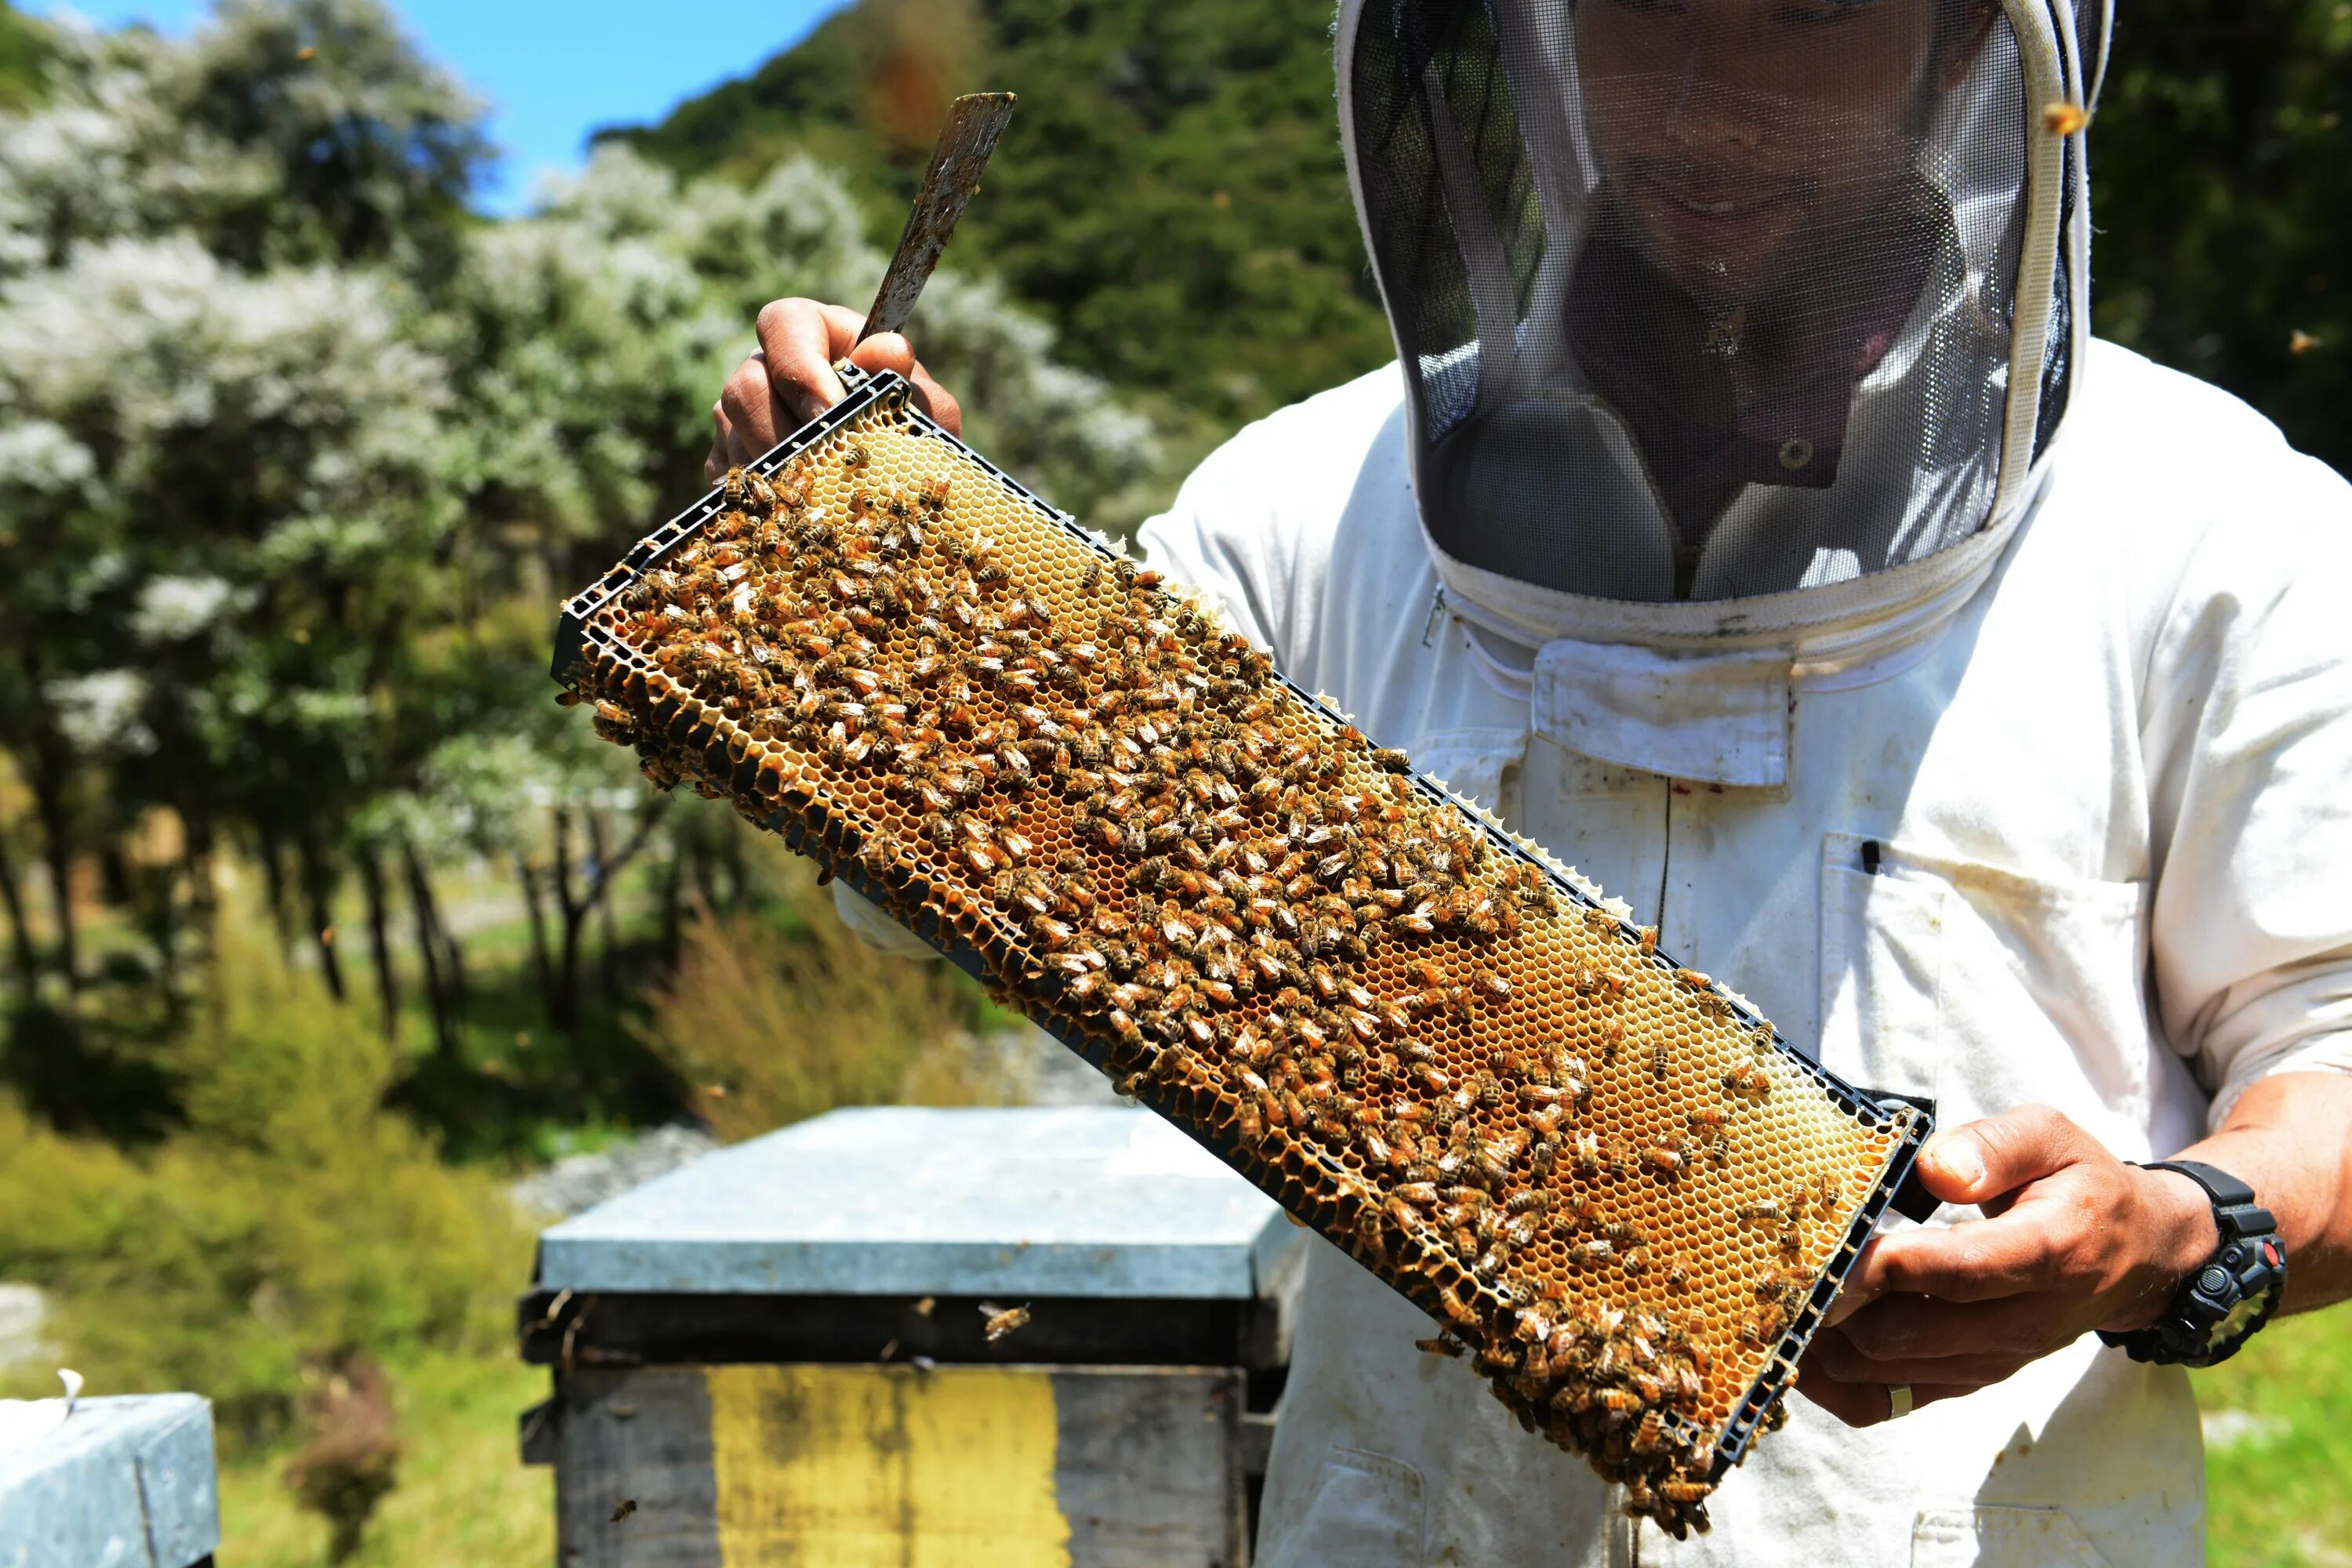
{"points": [[1624, 1196], [780, 1352], [127, 1481]]}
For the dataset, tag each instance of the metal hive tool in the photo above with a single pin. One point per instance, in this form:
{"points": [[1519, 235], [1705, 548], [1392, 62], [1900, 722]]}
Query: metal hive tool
{"points": [[1626, 1199]]}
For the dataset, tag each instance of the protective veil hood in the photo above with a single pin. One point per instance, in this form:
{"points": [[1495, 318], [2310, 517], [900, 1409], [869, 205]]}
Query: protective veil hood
{"points": [[1721, 318]]}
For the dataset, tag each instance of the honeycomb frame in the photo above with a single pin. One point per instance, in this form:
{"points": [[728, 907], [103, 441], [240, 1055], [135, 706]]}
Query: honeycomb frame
{"points": [[1676, 1456]]}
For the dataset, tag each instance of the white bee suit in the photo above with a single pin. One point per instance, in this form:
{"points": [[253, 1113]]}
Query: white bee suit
{"points": [[1975, 698], [2107, 793]]}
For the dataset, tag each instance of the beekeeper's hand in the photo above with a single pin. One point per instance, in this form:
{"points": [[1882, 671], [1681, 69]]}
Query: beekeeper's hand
{"points": [[789, 380], [2076, 1241]]}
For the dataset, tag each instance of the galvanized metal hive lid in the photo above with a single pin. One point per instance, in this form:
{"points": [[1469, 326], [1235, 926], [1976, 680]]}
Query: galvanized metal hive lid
{"points": [[1102, 1202], [125, 1480]]}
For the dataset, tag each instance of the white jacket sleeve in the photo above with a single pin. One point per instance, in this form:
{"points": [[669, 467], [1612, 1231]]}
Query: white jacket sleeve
{"points": [[1194, 544], [2246, 713]]}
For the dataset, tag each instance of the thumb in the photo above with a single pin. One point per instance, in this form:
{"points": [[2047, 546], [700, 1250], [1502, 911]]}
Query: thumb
{"points": [[1979, 1161]]}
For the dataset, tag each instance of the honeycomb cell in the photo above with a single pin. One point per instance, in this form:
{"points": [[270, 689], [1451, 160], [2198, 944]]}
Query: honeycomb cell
{"points": [[1601, 1174]]}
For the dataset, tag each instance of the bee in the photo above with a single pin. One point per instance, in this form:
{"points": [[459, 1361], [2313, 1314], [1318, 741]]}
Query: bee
{"points": [[998, 1322], [2064, 118], [1667, 1162], [1748, 1080], [855, 457]]}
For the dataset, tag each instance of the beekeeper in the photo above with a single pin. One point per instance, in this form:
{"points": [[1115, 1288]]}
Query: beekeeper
{"points": [[1749, 519]]}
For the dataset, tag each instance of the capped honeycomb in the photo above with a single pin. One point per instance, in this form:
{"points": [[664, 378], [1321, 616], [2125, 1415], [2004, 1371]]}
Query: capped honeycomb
{"points": [[1623, 1197]]}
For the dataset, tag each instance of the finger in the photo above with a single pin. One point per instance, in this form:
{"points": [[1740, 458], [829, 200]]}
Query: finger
{"points": [[938, 401], [715, 466], [1841, 1359], [2025, 1251], [888, 351], [1983, 1160], [755, 416], [884, 351], [1920, 1328], [1868, 1404], [801, 339]]}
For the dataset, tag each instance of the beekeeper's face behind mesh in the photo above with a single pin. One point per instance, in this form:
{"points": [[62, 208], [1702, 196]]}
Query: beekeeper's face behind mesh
{"points": [[1699, 299], [1748, 147]]}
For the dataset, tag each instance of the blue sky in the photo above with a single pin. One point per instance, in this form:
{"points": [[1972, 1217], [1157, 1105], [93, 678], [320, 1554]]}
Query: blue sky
{"points": [[553, 73]]}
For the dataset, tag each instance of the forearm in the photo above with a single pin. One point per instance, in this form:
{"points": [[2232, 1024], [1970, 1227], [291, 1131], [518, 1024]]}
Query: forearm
{"points": [[2290, 1137]]}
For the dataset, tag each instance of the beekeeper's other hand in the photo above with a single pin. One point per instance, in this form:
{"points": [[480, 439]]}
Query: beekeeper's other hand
{"points": [[789, 380], [2076, 1241]]}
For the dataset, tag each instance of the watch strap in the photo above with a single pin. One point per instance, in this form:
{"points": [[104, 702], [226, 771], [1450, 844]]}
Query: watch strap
{"points": [[2235, 1214], [2235, 1293]]}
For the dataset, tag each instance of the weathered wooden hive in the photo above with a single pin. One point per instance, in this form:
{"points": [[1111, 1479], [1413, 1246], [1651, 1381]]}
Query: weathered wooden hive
{"points": [[783, 1351]]}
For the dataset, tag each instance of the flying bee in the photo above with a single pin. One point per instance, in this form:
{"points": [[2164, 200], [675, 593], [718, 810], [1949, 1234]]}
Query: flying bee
{"points": [[997, 1323]]}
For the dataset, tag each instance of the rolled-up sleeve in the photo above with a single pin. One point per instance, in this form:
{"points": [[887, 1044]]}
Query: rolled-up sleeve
{"points": [[2247, 713]]}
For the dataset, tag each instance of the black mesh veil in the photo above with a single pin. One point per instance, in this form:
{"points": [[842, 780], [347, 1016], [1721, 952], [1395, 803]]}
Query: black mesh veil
{"points": [[1706, 299]]}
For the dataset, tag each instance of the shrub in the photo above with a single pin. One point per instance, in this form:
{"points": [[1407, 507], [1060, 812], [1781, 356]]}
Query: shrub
{"points": [[292, 1218]]}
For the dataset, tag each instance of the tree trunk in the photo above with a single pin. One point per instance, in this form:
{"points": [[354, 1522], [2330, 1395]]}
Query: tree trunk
{"points": [[23, 960], [563, 996], [273, 882], [574, 908], [370, 860], [49, 786], [673, 897], [438, 989], [600, 841], [319, 898], [535, 904]]}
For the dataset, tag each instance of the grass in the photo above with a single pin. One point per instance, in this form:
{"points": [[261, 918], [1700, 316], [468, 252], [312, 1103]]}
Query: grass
{"points": [[2281, 1496], [465, 1498]]}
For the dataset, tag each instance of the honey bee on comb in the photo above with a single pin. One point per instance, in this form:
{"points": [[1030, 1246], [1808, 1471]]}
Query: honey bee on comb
{"points": [[1403, 1025]]}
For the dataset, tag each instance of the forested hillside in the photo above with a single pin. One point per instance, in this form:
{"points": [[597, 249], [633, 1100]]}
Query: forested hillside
{"points": [[1170, 193], [1171, 196]]}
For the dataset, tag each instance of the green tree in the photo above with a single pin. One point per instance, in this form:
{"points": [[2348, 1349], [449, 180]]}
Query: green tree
{"points": [[2221, 172]]}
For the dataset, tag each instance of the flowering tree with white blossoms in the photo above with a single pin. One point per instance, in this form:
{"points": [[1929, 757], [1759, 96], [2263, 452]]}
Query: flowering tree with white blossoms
{"points": [[297, 457]]}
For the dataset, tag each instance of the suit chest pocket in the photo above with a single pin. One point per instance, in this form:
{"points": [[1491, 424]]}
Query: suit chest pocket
{"points": [[1982, 987]]}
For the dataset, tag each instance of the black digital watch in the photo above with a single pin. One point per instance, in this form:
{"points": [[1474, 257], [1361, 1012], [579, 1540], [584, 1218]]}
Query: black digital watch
{"points": [[2231, 1294]]}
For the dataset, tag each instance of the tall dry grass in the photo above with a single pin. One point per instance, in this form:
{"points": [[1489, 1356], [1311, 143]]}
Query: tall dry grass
{"points": [[773, 1020]]}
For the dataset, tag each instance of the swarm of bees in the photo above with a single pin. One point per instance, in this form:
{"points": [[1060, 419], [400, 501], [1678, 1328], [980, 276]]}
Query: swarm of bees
{"points": [[1611, 1187]]}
